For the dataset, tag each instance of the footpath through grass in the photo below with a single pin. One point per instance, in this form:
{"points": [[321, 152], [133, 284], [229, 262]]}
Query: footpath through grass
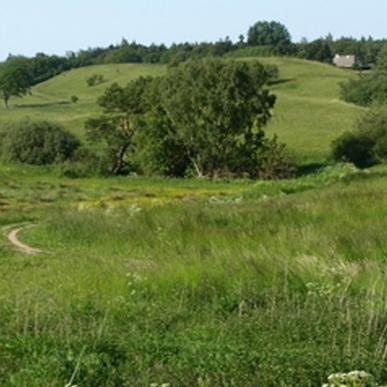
{"points": [[227, 283]]}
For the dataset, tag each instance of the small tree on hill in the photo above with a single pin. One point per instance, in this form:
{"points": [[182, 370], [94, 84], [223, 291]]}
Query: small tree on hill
{"points": [[95, 79], [15, 81]]}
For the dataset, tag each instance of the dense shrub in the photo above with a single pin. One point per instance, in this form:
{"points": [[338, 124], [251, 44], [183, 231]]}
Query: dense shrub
{"points": [[272, 72], [368, 143], [368, 88], [275, 161], [95, 79], [354, 148], [85, 162], [37, 142]]}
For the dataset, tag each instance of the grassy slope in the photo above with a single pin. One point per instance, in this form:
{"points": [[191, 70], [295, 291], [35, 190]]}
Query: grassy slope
{"points": [[308, 115], [51, 100]]}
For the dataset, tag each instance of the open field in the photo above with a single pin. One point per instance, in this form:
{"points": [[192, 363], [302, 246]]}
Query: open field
{"points": [[308, 115], [193, 283]]}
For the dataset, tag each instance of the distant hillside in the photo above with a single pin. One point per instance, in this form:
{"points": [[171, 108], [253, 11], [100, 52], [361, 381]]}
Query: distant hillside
{"points": [[309, 113], [51, 99], [307, 117]]}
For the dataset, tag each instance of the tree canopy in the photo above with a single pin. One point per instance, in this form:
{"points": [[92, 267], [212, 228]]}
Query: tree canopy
{"points": [[218, 109], [264, 33], [204, 117], [15, 80], [263, 38], [116, 127]]}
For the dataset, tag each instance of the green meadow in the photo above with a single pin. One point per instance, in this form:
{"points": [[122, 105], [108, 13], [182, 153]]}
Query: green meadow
{"points": [[195, 282]]}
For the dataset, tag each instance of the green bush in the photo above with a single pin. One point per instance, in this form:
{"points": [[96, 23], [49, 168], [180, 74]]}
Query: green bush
{"points": [[74, 98], [37, 142], [85, 163], [95, 79], [366, 145], [276, 162], [354, 148], [370, 87], [272, 72]]}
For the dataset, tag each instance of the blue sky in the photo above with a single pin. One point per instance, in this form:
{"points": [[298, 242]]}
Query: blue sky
{"points": [[57, 26]]}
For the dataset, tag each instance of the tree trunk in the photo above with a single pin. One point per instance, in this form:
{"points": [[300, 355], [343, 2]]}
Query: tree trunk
{"points": [[119, 160], [6, 99], [195, 164], [197, 169]]}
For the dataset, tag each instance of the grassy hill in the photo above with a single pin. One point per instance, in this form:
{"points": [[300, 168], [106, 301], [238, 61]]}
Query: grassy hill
{"points": [[309, 113], [51, 100], [307, 117]]}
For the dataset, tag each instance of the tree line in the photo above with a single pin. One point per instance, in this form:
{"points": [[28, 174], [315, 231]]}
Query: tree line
{"points": [[263, 38]]}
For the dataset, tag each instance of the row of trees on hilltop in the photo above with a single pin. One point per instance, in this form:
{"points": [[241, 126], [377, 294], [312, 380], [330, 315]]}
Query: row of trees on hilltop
{"points": [[263, 38]]}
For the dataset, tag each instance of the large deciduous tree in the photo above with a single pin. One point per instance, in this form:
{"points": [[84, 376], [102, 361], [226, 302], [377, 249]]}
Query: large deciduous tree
{"points": [[265, 33], [218, 110], [204, 117]]}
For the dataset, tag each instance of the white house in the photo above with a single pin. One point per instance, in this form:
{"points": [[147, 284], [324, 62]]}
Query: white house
{"points": [[345, 61]]}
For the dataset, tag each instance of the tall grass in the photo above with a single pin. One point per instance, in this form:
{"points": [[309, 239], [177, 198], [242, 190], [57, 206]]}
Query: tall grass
{"points": [[280, 289]]}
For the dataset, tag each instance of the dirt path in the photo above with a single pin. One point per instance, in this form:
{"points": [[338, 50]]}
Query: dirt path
{"points": [[24, 248]]}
